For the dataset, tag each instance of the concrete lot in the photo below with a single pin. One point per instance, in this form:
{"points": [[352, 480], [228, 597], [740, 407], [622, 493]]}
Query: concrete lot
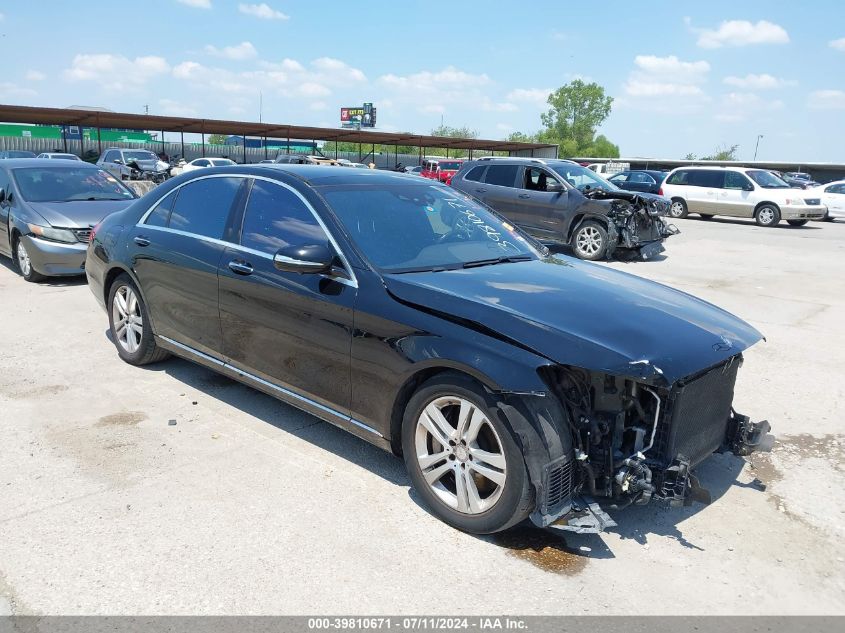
{"points": [[249, 506]]}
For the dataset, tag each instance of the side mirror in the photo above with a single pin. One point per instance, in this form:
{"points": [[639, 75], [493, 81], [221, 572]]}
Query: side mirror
{"points": [[748, 187], [117, 161], [312, 258], [553, 186]]}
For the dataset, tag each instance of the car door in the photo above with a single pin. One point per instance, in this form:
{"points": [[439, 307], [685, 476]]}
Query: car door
{"points": [[499, 189], [290, 329], [108, 162], [735, 198], [620, 179], [640, 181], [5, 211], [704, 189], [833, 198], [175, 252], [538, 210]]}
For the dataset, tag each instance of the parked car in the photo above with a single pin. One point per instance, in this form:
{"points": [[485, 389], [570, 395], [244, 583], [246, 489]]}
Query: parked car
{"points": [[15, 153], [129, 164], [58, 156], [645, 180], [512, 381], [414, 169], [832, 196], [266, 161], [295, 159], [799, 180], [47, 209], [739, 192], [202, 163], [609, 168], [563, 202], [441, 169]]}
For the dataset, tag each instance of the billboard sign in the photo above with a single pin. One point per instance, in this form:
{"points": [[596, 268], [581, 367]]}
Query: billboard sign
{"points": [[358, 116]]}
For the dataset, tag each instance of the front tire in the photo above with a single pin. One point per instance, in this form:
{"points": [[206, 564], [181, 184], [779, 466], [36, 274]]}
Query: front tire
{"points": [[22, 259], [590, 241], [797, 222], [129, 323], [678, 209], [767, 215], [462, 458]]}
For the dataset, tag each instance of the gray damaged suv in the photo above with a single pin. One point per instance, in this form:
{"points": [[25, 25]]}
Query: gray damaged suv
{"points": [[562, 202]]}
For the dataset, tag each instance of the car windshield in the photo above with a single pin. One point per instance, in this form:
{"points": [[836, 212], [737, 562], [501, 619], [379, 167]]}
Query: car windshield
{"points": [[64, 184], [766, 179], [582, 178], [219, 162], [450, 165], [416, 227], [139, 155]]}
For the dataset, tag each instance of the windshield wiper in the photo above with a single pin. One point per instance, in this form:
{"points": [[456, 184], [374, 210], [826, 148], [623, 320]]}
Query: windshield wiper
{"points": [[505, 259]]}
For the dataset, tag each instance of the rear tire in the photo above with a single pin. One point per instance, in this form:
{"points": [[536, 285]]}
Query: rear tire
{"points": [[797, 222], [129, 323], [24, 263], [767, 215], [678, 209], [449, 473], [589, 241]]}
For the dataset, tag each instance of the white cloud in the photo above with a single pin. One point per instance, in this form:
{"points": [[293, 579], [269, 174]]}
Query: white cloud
{"points": [[318, 106], [262, 11], [742, 33], [838, 44], [655, 78], [538, 96], [187, 70], [196, 4], [34, 75], [432, 108], [170, 107], [826, 100], [672, 68], [313, 89], [239, 52], [734, 107], [335, 68], [449, 76], [9, 89], [757, 82], [2, 17], [116, 72], [640, 88]]}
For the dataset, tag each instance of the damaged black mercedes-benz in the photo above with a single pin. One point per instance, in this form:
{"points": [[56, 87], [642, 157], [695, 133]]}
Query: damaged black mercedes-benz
{"points": [[559, 201]]}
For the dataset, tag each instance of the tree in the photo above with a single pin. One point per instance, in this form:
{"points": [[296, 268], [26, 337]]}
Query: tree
{"points": [[457, 132], [217, 139], [690, 156], [520, 137], [577, 110], [723, 153]]}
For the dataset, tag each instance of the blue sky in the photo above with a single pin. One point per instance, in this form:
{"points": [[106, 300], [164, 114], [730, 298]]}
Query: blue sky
{"points": [[686, 77]]}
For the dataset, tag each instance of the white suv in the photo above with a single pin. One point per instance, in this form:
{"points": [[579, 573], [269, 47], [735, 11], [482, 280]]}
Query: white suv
{"points": [[739, 192]]}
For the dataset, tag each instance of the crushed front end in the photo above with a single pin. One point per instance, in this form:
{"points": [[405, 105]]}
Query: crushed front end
{"points": [[638, 219], [635, 442]]}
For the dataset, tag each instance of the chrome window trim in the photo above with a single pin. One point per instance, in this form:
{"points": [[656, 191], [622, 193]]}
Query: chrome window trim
{"points": [[352, 281], [286, 392]]}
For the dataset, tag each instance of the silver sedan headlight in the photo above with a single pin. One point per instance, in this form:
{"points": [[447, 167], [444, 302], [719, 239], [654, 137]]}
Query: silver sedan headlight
{"points": [[56, 235]]}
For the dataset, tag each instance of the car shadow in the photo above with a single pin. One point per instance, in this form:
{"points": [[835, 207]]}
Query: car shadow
{"points": [[53, 282], [626, 257], [782, 225]]}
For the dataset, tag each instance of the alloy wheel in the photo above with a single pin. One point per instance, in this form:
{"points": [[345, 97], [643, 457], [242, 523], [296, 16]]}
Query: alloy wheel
{"points": [[767, 215], [24, 262], [460, 454], [126, 316], [589, 240], [676, 210]]}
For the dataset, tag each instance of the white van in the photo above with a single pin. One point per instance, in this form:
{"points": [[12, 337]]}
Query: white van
{"points": [[739, 192]]}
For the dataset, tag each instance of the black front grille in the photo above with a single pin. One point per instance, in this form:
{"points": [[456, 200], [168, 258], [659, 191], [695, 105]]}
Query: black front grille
{"points": [[696, 423], [83, 235], [558, 486], [813, 201]]}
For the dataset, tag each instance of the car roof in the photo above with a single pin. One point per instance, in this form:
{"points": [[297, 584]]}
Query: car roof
{"points": [[13, 163], [320, 175]]}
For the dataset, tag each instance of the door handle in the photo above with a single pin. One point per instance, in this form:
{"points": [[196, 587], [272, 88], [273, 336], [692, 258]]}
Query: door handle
{"points": [[141, 241], [481, 191], [240, 267], [524, 195]]}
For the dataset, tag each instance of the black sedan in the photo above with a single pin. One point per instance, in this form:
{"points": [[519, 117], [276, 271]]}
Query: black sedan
{"points": [[47, 209], [644, 180], [396, 308]]}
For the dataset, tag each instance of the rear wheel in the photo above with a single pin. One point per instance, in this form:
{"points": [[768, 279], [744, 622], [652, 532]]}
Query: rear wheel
{"points": [[590, 241], [797, 222], [130, 324], [678, 208], [21, 257], [767, 215], [461, 457]]}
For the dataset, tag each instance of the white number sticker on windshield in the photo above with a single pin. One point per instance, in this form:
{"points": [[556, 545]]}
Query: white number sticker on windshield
{"points": [[479, 224]]}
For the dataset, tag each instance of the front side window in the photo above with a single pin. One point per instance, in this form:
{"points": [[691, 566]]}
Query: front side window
{"points": [[66, 184], [276, 217], [580, 177], [203, 206], [735, 180], [641, 178], [766, 179], [109, 157], [412, 227], [138, 154], [679, 178], [537, 179], [501, 175], [619, 178]]}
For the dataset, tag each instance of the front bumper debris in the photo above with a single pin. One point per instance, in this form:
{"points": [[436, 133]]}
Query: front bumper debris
{"points": [[586, 517]]}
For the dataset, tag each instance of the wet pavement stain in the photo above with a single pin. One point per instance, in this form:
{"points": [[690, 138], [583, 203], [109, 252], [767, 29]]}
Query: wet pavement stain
{"points": [[125, 418], [541, 548]]}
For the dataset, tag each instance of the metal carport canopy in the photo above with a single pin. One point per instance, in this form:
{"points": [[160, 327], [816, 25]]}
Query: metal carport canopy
{"points": [[123, 120]]}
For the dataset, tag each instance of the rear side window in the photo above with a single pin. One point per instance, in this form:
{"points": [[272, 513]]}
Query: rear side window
{"points": [[707, 178], [202, 207], [161, 213], [502, 175], [475, 173], [276, 217]]}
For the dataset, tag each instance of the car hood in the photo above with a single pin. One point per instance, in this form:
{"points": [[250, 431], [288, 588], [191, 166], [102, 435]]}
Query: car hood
{"points": [[79, 213], [582, 314]]}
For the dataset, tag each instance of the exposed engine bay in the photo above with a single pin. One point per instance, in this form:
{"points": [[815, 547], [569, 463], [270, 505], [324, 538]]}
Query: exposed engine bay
{"points": [[633, 443], [637, 220]]}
